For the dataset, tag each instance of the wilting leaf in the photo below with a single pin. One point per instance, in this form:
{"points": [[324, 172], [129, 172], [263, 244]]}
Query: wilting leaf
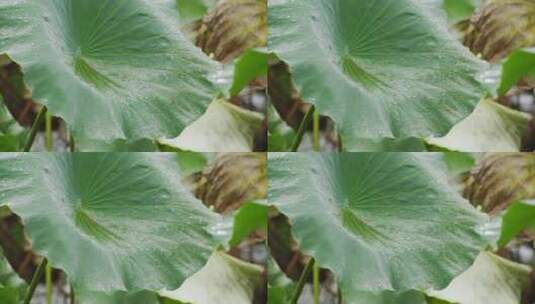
{"points": [[223, 128], [490, 128], [501, 26], [232, 27], [377, 220], [491, 279], [224, 279], [519, 216], [377, 68], [125, 212], [231, 180], [492, 186], [111, 69], [519, 64]]}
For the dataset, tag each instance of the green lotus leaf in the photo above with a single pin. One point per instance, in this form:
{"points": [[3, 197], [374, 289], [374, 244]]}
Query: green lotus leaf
{"points": [[224, 279], [111, 221], [519, 216], [379, 221], [491, 279], [120, 145], [490, 128], [409, 144], [519, 64], [385, 297], [223, 128], [377, 68], [111, 69], [139, 297]]}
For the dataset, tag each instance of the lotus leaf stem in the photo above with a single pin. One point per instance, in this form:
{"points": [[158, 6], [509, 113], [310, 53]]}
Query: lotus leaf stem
{"points": [[301, 131], [35, 127], [316, 282], [35, 280], [301, 283], [316, 124]]}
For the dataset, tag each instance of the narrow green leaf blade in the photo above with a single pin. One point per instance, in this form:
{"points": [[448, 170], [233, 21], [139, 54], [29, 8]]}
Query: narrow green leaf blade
{"points": [[519, 216], [250, 65], [520, 63]]}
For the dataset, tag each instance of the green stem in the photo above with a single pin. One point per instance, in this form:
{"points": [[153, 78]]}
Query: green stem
{"points": [[35, 280], [48, 280], [316, 124], [316, 282], [72, 146], [48, 132], [301, 131], [304, 275], [35, 127], [72, 297]]}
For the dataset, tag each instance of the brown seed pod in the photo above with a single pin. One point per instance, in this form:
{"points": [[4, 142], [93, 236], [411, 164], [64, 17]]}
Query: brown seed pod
{"points": [[232, 27], [499, 179], [500, 26], [231, 180]]}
